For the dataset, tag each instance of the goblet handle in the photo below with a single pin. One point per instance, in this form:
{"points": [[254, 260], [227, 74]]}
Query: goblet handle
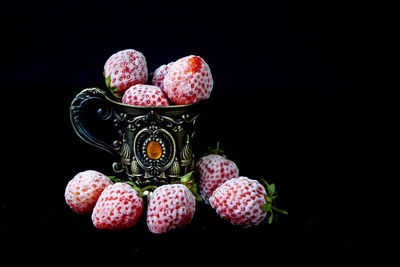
{"points": [[79, 106]]}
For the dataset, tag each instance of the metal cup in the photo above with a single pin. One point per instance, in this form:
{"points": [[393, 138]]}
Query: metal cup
{"points": [[153, 145]]}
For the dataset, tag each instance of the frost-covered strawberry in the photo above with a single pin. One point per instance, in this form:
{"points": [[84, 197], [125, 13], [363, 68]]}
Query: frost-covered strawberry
{"points": [[119, 207], [84, 189], [188, 81], [159, 75], [245, 202], [125, 69], [171, 206], [145, 95], [214, 170]]}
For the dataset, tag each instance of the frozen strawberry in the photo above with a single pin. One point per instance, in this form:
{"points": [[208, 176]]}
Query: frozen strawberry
{"points": [[214, 170], [125, 69], [159, 75], [171, 206], [119, 207], [84, 189], [245, 202], [145, 95], [188, 81]]}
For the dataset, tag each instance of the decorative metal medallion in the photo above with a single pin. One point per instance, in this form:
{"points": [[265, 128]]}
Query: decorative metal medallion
{"points": [[155, 150]]}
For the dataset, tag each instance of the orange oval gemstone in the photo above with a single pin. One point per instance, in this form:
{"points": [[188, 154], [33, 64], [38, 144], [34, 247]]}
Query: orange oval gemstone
{"points": [[154, 150]]}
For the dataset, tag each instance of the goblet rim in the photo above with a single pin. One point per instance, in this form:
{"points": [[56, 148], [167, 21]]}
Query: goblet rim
{"points": [[153, 107]]}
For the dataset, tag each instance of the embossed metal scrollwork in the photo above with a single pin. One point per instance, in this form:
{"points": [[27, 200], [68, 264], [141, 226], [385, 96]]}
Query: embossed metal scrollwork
{"points": [[104, 111], [154, 145]]}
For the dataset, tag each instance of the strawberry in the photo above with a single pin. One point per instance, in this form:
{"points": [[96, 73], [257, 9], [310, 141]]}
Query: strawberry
{"points": [[145, 95], [125, 69], [214, 170], [170, 206], [243, 201], [159, 75], [84, 189], [188, 81], [119, 207]]}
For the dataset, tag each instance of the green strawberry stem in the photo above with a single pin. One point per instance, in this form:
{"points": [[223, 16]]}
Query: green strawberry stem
{"points": [[265, 181], [270, 197], [216, 151], [279, 210]]}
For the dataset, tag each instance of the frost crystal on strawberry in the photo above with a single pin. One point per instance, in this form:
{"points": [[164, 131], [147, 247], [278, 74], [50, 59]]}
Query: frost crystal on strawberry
{"points": [[240, 201], [125, 69], [213, 171], [145, 95], [159, 75], [245, 202], [83, 191], [119, 207], [188, 81], [171, 206]]}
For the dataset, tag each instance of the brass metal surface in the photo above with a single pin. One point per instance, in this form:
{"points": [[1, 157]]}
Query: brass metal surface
{"points": [[170, 129]]}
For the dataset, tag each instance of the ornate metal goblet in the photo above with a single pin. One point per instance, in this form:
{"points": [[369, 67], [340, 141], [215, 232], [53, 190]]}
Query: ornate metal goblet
{"points": [[154, 145]]}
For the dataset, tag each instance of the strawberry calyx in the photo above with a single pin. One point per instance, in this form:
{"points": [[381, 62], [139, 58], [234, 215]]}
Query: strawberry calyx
{"points": [[269, 205], [108, 80], [216, 151], [113, 89], [189, 181], [145, 191]]}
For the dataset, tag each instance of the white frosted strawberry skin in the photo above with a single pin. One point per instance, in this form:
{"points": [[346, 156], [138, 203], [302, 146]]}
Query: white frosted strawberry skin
{"points": [[119, 207], [84, 189], [188, 81], [159, 75], [145, 95], [240, 201], [213, 171], [171, 206], [125, 69]]}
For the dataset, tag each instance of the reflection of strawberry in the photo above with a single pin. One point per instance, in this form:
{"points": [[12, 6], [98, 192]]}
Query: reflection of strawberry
{"points": [[118, 207], [159, 75], [243, 201], [144, 95], [125, 69], [188, 81], [170, 206], [84, 189]]}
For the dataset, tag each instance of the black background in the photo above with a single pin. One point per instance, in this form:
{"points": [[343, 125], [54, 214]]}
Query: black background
{"points": [[295, 101]]}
